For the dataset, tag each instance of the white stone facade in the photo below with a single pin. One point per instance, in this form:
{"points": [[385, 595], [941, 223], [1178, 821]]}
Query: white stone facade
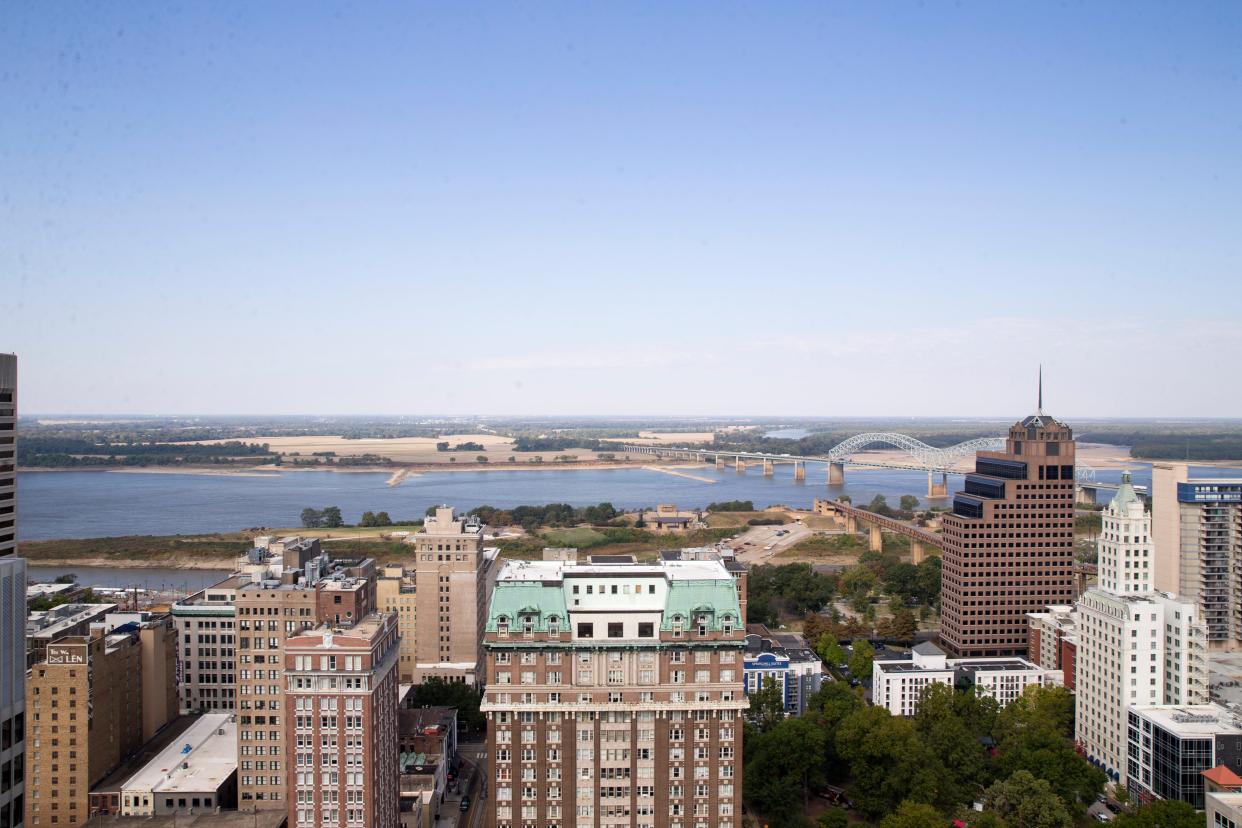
{"points": [[1135, 646]]}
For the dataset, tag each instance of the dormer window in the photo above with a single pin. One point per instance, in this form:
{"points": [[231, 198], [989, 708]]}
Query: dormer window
{"points": [[727, 621], [502, 626], [554, 625], [677, 626]]}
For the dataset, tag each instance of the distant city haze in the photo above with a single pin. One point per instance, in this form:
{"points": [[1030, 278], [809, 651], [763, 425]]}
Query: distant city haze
{"points": [[639, 208]]}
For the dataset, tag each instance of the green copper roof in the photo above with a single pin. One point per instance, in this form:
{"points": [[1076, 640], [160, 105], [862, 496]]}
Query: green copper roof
{"points": [[1125, 495], [690, 598], [514, 598]]}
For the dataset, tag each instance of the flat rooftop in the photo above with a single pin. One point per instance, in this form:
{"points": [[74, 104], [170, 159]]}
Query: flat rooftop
{"points": [[1225, 678], [224, 819], [1192, 719], [200, 760], [553, 571]]}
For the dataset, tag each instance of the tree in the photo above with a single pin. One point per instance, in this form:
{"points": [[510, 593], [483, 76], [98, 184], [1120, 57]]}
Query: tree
{"points": [[888, 762], [861, 659], [311, 518], [67, 578], [767, 705], [437, 692], [913, 815], [784, 765], [831, 651], [857, 582], [1034, 734], [909, 503], [332, 517], [833, 818], [442, 446], [367, 519], [904, 624], [482, 458], [1026, 802], [1163, 813], [382, 519]]}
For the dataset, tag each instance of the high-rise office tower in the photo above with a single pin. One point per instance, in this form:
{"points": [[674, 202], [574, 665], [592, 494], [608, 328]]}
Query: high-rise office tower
{"points": [[12, 611], [341, 703], [8, 454], [1136, 646], [614, 695], [269, 611], [450, 573], [1197, 526], [1009, 541], [12, 690]]}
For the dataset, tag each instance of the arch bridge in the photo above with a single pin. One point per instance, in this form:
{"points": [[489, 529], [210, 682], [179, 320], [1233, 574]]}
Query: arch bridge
{"points": [[937, 462]]}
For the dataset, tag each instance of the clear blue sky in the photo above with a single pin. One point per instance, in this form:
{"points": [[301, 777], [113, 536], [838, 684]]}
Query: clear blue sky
{"points": [[807, 209]]}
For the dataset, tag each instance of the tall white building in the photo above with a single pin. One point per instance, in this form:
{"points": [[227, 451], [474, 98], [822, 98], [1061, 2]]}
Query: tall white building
{"points": [[1136, 646]]}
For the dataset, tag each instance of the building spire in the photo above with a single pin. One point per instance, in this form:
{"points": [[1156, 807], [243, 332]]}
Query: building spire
{"points": [[1040, 409]]}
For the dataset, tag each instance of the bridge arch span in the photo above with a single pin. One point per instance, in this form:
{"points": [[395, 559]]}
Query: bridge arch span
{"points": [[928, 456]]}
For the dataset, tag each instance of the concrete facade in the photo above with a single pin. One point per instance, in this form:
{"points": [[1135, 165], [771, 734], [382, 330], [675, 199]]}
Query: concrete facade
{"points": [[898, 684], [341, 702], [196, 772], [450, 574], [1009, 541], [206, 624], [1197, 527], [1136, 646], [614, 695]]}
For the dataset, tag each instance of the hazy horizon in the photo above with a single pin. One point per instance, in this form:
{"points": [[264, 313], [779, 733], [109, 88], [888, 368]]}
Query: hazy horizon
{"points": [[821, 208]]}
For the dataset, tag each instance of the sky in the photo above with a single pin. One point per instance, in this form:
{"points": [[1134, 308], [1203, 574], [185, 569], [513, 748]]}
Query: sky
{"points": [[711, 208]]}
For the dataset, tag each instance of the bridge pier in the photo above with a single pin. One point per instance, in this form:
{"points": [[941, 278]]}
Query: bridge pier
{"points": [[937, 489], [799, 470], [739, 464], [851, 524], [917, 553], [836, 474], [769, 468], [876, 539], [1084, 496], [719, 463]]}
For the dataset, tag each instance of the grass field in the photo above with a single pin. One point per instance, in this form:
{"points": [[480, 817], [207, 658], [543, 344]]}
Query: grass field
{"points": [[173, 551]]}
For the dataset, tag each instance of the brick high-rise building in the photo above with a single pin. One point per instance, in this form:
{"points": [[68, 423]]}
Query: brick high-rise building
{"points": [[614, 695], [451, 576], [1009, 541], [269, 611], [395, 592], [84, 703], [341, 705]]}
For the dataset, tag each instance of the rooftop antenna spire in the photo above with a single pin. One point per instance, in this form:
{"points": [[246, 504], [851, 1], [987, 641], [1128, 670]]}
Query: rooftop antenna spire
{"points": [[1041, 389]]}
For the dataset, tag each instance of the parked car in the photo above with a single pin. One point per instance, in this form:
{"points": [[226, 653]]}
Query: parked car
{"points": [[465, 804]]}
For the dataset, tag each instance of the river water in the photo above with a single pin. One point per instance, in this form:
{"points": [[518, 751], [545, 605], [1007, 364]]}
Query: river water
{"points": [[109, 504]]}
